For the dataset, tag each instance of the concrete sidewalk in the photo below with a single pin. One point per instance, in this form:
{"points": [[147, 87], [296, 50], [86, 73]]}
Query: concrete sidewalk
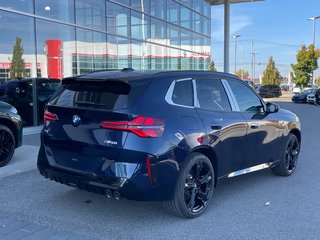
{"points": [[24, 158], [32, 130]]}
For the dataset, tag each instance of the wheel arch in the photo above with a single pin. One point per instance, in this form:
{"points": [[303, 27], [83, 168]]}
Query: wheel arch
{"points": [[9, 124], [209, 153], [297, 133]]}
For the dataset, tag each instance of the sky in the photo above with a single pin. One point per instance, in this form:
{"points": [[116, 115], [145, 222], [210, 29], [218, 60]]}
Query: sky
{"points": [[277, 28]]}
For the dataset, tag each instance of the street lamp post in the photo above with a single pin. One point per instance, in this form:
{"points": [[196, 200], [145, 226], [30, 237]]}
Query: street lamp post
{"points": [[235, 52], [314, 27], [314, 39]]}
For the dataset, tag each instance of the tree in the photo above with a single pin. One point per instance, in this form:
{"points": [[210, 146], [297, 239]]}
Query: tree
{"points": [[179, 64], [271, 75], [307, 62], [17, 62], [242, 73], [318, 81], [212, 66]]}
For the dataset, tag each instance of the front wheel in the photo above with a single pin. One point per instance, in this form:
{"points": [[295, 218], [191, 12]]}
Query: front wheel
{"points": [[7, 145], [194, 188], [288, 162]]}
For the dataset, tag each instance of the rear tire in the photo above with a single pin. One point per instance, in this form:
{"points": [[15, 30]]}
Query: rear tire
{"points": [[7, 145], [194, 188], [288, 162]]}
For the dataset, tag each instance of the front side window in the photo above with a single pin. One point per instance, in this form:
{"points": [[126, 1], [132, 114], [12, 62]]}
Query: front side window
{"points": [[246, 99], [212, 96]]}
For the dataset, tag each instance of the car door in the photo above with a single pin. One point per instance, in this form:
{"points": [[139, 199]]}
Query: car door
{"points": [[226, 129], [262, 140]]}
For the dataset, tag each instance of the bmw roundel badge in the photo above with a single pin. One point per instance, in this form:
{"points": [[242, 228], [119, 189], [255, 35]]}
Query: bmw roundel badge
{"points": [[76, 120]]}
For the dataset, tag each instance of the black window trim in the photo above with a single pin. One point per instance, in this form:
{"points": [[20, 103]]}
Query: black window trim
{"points": [[168, 96]]}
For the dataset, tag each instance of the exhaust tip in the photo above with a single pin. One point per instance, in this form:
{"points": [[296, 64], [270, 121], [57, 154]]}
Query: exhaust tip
{"points": [[117, 195], [109, 194]]}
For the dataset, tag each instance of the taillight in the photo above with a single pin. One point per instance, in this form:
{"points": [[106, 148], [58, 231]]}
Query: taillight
{"points": [[48, 116], [145, 127]]}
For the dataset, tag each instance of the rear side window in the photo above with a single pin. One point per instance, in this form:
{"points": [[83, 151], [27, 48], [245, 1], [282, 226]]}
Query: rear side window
{"points": [[183, 93], [212, 96], [110, 95]]}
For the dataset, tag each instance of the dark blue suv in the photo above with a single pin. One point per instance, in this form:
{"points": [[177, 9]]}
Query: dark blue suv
{"points": [[163, 136]]}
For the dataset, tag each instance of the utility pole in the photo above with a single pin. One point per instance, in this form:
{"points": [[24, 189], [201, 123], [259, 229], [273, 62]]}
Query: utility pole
{"points": [[252, 62]]}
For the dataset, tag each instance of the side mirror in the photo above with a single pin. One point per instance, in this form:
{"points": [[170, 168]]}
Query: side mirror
{"points": [[272, 108]]}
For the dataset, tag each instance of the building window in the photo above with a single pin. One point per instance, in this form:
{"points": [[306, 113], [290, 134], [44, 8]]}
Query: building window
{"points": [[55, 48], [57, 9], [23, 6], [91, 14], [118, 19]]}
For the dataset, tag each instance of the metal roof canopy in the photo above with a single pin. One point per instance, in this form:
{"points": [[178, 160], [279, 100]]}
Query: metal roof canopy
{"points": [[227, 25]]}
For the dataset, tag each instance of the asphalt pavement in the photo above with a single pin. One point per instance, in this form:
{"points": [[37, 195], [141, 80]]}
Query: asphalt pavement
{"points": [[253, 206]]}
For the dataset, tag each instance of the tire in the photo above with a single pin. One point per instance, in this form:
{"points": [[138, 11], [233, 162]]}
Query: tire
{"points": [[7, 145], [194, 188], [288, 162]]}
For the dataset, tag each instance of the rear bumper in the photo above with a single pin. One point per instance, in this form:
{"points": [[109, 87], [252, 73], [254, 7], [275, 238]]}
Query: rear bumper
{"points": [[97, 185], [132, 187]]}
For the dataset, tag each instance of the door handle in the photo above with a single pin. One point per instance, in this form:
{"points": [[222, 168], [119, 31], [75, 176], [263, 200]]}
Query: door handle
{"points": [[216, 127], [254, 125]]}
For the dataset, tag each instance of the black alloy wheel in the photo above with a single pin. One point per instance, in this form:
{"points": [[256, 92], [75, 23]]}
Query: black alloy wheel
{"points": [[291, 154], [7, 145], [288, 163], [198, 187], [194, 189]]}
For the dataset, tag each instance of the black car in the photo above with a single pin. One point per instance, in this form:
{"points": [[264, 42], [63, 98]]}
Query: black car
{"points": [[270, 91], [19, 93], [10, 132], [163, 136], [302, 97]]}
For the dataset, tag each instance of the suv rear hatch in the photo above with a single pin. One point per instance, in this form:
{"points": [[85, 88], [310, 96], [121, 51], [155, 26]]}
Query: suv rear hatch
{"points": [[86, 123]]}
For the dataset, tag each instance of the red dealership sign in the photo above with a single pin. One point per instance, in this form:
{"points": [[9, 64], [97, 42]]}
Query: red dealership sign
{"points": [[7, 65]]}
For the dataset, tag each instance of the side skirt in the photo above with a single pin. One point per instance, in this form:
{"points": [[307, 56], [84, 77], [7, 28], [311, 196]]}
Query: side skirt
{"points": [[251, 169]]}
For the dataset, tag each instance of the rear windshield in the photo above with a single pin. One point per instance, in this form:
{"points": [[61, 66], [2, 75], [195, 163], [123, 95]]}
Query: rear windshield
{"points": [[110, 95]]}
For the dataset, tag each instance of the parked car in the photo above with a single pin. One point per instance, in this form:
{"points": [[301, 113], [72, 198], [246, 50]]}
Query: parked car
{"points": [[302, 97], [19, 94], [163, 136], [311, 98], [270, 91], [296, 90], [285, 88], [250, 83], [10, 132]]}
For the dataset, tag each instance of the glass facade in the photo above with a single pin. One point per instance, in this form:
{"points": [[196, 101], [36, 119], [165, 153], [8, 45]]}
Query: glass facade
{"points": [[62, 38]]}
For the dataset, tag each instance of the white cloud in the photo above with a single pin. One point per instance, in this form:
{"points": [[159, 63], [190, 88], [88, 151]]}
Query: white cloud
{"points": [[238, 22]]}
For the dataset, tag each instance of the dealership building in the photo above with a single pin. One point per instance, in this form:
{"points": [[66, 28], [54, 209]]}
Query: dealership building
{"points": [[62, 38]]}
